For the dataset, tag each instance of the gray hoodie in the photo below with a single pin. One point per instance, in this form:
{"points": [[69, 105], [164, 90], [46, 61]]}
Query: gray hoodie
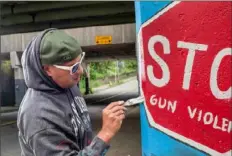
{"points": [[53, 121]]}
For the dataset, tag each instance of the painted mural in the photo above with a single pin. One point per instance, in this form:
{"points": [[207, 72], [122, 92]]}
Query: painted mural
{"points": [[184, 51]]}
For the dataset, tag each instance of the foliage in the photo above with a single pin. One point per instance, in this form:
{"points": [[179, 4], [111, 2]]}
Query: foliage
{"points": [[6, 67], [104, 69], [108, 69]]}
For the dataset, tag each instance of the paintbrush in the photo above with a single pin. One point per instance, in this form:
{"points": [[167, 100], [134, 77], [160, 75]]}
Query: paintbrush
{"points": [[134, 101]]}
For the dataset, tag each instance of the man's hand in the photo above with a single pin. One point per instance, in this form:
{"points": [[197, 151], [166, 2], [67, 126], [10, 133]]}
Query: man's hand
{"points": [[112, 117]]}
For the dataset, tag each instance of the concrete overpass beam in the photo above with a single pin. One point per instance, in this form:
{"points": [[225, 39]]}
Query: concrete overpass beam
{"points": [[11, 43], [20, 28], [6, 10], [123, 33], [128, 33], [16, 19], [91, 11], [120, 33], [95, 21], [42, 6]]}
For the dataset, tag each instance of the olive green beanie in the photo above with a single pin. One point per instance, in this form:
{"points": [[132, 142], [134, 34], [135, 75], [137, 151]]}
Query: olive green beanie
{"points": [[57, 47]]}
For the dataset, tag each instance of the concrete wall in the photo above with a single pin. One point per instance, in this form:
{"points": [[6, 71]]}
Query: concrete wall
{"points": [[185, 52], [124, 33]]}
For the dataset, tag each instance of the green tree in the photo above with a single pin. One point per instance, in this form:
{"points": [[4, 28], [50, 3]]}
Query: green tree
{"points": [[6, 67]]}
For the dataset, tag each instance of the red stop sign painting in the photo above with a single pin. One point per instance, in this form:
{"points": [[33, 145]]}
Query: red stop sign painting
{"points": [[186, 73]]}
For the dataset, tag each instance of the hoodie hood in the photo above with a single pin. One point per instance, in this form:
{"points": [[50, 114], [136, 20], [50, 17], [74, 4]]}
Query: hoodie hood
{"points": [[34, 75]]}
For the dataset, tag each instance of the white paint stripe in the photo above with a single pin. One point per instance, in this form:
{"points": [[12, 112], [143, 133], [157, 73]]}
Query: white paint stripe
{"points": [[151, 121], [184, 139], [141, 60]]}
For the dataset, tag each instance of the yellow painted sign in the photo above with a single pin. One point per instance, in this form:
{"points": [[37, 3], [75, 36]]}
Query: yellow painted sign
{"points": [[103, 39]]}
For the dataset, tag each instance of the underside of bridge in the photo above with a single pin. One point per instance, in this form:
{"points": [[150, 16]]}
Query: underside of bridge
{"points": [[20, 17], [84, 20]]}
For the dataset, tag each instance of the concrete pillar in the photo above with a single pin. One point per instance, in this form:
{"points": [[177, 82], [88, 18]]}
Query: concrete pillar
{"points": [[20, 86]]}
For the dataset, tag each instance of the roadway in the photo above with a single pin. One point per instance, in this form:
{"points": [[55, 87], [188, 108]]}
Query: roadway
{"points": [[125, 143]]}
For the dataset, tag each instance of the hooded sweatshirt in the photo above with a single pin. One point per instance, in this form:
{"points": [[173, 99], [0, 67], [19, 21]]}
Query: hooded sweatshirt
{"points": [[53, 121]]}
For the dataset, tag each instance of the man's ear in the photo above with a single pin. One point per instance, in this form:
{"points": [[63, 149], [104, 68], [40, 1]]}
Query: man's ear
{"points": [[47, 69]]}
